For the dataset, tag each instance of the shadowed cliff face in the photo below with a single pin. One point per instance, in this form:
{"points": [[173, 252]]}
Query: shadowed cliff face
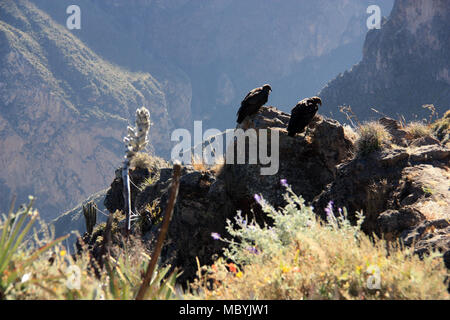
{"points": [[405, 65]]}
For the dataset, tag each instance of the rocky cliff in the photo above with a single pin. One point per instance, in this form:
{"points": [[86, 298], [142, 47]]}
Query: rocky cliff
{"points": [[401, 190], [405, 65]]}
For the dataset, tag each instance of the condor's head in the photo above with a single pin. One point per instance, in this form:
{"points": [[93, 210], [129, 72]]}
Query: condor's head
{"points": [[267, 88], [316, 100]]}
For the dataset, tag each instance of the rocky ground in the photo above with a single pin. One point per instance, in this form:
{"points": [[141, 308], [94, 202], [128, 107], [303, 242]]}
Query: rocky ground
{"points": [[402, 190]]}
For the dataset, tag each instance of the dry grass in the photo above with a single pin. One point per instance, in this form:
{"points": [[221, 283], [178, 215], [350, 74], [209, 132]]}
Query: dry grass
{"points": [[350, 133], [143, 160], [417, 130], [49, 280], [372, 137], [441, 129], [199, 165]]}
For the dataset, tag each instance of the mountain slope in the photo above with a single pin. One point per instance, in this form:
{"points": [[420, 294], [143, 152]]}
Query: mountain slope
{"points": [[64, 111], [405, 65]]}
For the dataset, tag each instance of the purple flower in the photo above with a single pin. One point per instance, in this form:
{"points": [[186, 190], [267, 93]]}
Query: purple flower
{"points": [[284, 183], [257, 198], [329, 208], [215, 235], [253, 250]]}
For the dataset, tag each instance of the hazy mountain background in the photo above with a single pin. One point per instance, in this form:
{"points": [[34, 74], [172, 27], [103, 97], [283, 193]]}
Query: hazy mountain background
{"points": [[227, 47], [66, 96], [405, 65]]}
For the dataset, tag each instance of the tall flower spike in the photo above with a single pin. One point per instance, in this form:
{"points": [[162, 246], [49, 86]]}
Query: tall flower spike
{"points": [[137, 139]]}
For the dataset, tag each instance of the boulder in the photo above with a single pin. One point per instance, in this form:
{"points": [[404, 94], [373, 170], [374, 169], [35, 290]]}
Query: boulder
{"points": [[402, 191]]}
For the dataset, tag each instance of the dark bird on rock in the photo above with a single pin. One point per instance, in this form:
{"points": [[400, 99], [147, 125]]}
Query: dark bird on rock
{"points": [[302, 114], [253, 101]]}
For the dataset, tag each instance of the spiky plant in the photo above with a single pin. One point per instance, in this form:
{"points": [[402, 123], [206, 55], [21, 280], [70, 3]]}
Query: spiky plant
{"points": [[135, 141], [90, 216]]}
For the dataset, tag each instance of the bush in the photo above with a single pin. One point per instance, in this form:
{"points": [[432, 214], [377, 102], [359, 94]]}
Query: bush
{"points": [[441, 128], [372, 137], [42, 268], [418, 130], [300, 257], [143, 160], [15, 255]]}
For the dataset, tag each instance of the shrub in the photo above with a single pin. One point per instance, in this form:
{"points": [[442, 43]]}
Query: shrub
{"points": [[15, 256], [300, 257], [42, 268], [418, 130], [441, 128], [372, 137], [143, 160]]}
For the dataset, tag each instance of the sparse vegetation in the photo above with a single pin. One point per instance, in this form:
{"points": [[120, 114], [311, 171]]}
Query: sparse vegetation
{"points": [[200, 165], [350, 133], [441, 128], [298, 258], [142, 160], [418, 130], [295, 258], [372, 137], [42, 268]]}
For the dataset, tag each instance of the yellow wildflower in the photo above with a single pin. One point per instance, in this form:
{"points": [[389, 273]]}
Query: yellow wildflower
{"points": [[358, 269], [285, 269]]}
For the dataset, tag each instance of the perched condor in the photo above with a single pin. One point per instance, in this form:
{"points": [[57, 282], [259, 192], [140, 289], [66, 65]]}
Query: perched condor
{"points": [[254, 100], [302, 114]]}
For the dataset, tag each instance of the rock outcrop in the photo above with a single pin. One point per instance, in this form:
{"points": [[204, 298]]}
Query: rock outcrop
{"points": [[207, 198], [402, 190], [404, 65]]}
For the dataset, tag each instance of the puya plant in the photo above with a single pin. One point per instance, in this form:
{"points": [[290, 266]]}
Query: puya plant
{"points": [[135, 141], [90, 216]]}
